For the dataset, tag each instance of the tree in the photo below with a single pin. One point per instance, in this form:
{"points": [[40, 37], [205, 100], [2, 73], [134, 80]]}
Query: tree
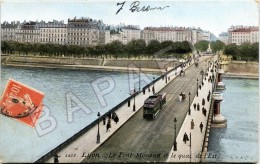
{"points": [[217, 46], [245, 51], [136, 47], [153, 47], [202, 45], [166, 44], [232, 50], [115, 48], [255, 51]]}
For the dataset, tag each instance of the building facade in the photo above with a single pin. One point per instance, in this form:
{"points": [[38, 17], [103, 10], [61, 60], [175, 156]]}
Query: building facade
{"points": [[161, 34], [122, 33], [28, 32], [129, 33], [86, 31], [83, 31], [53, 32], [223, 37], [8, 30], [243, 34]]}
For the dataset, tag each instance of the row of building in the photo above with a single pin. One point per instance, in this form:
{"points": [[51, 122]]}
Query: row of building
{"points": [[240, 34], [86, 31]]}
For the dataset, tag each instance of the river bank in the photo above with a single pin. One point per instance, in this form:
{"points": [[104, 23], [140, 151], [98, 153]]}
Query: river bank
{"points": [[241, 75], [122, 65]]}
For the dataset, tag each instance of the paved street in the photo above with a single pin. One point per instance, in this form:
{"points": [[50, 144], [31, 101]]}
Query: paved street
{"points": [[142, 140]]}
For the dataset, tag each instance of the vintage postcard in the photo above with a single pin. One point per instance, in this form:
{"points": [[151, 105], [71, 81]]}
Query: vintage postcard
{"points": [[129, 81]]}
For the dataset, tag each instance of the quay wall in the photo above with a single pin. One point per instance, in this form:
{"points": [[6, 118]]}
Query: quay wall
{"points": [[61, 62], [241, 68]]}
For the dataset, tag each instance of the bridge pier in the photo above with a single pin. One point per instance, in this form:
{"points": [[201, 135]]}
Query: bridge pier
{"points": [[218, 121], [220, 84]]}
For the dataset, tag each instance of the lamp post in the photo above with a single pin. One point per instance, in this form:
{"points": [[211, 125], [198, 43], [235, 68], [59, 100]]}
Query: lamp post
{"points": [[202, 73], [166, 76], [190, 146], [134, 102], [175, 142], [153, 86], [98, 134], [197, 87], [189, 103], [139, 77]]}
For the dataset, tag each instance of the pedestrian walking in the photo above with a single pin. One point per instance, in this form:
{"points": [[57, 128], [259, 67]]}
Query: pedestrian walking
{"points": [[198, 107], [116, 119], [185, 137], [208, 97], [194, 105], [204, 111], [56, 158], [104, 120], [113, 115], [180, 97], [109, 115], [192, 124], [108, 125], [201, 127]]}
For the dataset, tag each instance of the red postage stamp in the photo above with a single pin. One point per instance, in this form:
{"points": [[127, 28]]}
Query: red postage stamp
{"points": [[21, 103]]}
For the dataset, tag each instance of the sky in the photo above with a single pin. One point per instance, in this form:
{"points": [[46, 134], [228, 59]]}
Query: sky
{"points": [[215, 16]]}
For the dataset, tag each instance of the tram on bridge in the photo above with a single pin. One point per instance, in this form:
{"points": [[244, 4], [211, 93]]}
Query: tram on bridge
{"points": [[153, 105]]}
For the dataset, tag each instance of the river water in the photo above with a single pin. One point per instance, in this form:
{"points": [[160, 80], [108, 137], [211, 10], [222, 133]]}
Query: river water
{"points": [[21, 143], [239, 141]]}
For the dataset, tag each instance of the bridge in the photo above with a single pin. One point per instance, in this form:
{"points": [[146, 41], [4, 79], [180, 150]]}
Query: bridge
{"points": [[134, 139]]}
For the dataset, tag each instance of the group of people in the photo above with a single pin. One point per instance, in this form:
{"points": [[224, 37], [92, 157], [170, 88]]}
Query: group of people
{"points": [[185, 136], [110, 116], [197, 108]]}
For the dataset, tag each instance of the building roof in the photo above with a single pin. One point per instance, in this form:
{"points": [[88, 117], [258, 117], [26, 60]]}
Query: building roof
{"points": [[166, 28], [245, 29]]}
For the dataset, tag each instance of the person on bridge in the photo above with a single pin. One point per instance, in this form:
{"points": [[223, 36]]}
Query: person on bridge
{"points": [[104, 120], [56, 158], [198, 107], [204, 111], [192, 124], [194, 105], [108, 125], [180, 97], [201, 127], [185, 137]]}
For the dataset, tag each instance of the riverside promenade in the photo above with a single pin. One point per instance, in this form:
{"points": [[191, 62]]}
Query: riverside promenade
{"points": [[129, 134]]}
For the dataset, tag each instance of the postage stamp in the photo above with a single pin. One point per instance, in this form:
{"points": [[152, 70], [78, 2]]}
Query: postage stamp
{"points": [[21, 103]]}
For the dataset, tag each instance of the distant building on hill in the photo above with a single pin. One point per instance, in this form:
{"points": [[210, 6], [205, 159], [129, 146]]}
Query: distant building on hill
{"points": [[223, 37]]}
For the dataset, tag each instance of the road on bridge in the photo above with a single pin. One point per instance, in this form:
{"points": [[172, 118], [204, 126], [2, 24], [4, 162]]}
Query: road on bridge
{"points": [[139, 140]]}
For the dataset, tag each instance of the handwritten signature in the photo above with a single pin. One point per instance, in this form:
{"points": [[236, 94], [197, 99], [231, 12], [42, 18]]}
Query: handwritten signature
{"points": [[135, 7]]}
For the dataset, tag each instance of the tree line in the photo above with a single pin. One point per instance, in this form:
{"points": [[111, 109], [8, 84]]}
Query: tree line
{"points": [[245, 51], [115, 49]]}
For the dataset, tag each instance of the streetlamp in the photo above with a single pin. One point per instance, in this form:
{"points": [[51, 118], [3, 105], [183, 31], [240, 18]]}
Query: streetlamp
{"points": [[189, 103], [98, 134], [175, 142], [166, 76], [202, 73], [197, 87], [190, 146], [134, 102], [153, 86], [139, 77]]}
